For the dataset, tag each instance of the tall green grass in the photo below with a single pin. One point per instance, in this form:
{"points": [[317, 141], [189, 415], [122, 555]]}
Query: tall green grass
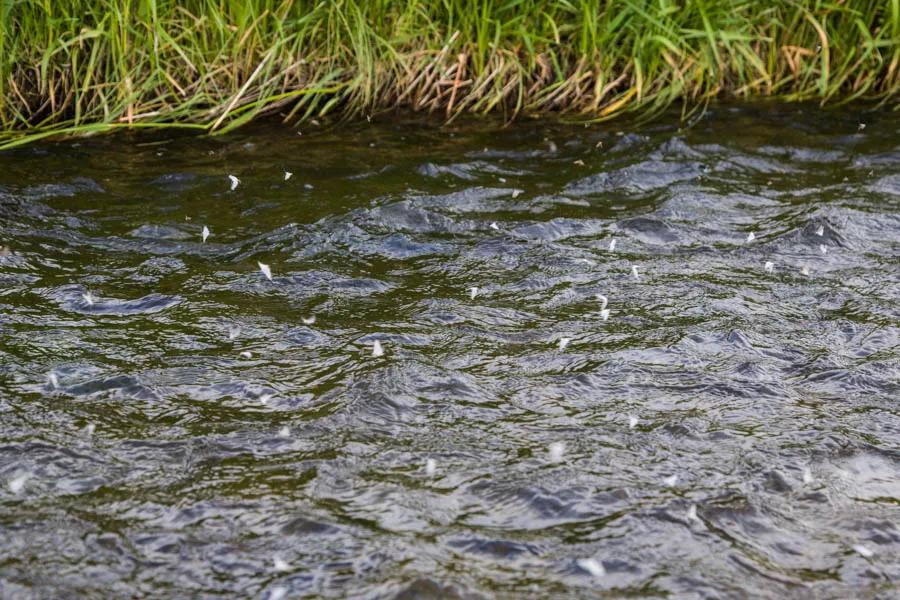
{"points": [[91, 65]]}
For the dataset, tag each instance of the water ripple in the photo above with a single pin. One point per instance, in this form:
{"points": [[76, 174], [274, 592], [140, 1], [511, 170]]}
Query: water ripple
{"points": [[174, 423]]}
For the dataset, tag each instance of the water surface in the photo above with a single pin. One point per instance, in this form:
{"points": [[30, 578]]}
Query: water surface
{"points": [[729, 431]]}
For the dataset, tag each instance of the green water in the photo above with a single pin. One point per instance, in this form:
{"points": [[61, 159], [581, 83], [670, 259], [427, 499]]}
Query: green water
{"points": [[727, 432]]}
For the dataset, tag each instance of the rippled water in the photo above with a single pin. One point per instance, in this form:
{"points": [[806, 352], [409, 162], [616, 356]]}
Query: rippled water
{"points": [[728, 431]]}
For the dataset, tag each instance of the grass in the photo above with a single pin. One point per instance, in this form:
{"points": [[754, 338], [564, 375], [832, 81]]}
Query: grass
{"points": [[84, 66]]}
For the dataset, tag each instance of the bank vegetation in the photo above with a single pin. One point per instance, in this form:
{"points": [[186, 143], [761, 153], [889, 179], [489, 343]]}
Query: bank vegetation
{"points": [[81, 66]]}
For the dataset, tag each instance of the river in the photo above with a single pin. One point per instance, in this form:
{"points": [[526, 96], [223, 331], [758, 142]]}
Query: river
{"points": [[173, 423]]}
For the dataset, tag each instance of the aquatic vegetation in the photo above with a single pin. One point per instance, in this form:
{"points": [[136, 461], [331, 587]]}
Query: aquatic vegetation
{"points": [[85, 66]]}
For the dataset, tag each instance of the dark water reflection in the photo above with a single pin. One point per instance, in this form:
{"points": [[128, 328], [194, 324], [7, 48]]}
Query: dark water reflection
{"points": [[727, 432]]}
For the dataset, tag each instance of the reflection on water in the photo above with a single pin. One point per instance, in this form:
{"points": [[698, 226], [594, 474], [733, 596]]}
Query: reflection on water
{"points": [[428, 398]]}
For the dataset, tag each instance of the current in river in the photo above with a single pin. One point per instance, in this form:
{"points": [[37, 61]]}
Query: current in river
{"points": [[405, 360]]}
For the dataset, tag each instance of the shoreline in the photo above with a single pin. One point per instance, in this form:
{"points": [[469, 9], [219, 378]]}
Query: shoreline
{"points": [[83, 67]]}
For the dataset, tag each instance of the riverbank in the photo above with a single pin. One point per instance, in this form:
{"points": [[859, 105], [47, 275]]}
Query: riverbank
{"points": [[94, 65]]}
